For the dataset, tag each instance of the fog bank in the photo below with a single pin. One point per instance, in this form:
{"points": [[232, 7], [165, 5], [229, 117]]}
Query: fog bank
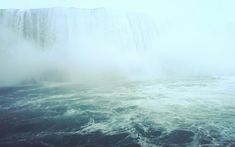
{"points": [[69, 44]]}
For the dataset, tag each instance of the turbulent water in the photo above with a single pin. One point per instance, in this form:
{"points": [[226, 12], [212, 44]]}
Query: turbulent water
{"points": [[95, 77], [161, 112]]}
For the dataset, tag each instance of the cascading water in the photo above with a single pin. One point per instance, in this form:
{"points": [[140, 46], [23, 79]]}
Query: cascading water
{"points": [[91, 42], [106, 49], [70, 26], [99, 38]]}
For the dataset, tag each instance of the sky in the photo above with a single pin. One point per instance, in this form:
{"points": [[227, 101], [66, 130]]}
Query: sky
{"points": [[138, 5], [205, 10], [71, 3]]}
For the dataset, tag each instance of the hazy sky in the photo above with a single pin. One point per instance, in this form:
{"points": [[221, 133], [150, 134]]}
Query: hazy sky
{"points": [[205, 10], [123, 4], [219, 10], [71, 3]]}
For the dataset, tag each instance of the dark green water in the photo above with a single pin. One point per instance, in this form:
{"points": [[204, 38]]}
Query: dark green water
{"points": [[167, 112]]}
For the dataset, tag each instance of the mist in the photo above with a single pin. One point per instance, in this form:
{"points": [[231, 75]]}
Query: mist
{"points": [[73, 44], [117, 73]]}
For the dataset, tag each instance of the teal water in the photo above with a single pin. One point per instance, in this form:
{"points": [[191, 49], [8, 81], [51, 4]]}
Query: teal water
{"points": [[189, 111]]}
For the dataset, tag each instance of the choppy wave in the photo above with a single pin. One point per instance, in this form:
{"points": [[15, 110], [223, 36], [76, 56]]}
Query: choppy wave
{"points": [[195, 111]]}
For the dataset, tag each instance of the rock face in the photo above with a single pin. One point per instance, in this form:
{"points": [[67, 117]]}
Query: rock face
{"points": [[71, 26]]}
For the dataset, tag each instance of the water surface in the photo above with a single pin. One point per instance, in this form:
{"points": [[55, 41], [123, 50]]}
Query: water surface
{"points": [[189, 111]]}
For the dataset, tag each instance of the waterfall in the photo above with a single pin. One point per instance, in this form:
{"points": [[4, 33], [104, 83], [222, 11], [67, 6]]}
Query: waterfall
{"points": [[78, 43], [71, 27], [74, 42]]}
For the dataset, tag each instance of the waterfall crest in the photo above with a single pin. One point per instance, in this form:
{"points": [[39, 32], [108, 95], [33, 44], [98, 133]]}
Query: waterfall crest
{"points": [[70, 26]]}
